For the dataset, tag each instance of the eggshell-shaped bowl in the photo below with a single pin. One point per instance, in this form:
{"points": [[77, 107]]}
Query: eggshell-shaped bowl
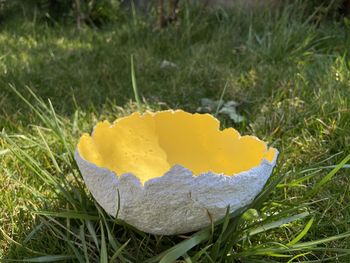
{"points": [[172, 172]]}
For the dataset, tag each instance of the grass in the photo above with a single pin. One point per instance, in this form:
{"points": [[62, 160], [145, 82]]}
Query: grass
{"points": [[290, 76]]}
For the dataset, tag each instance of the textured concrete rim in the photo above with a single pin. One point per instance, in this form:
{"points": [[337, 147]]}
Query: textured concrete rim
{"points": [[166, 205]]}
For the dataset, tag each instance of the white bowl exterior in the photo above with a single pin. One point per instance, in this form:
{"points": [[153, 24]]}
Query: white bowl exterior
{"points": [[177, 202]]}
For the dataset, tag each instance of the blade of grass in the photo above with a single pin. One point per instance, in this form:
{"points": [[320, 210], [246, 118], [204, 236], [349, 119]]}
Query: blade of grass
{"points": [[181, 248], [67, 214], [255, 204], [298, 256], [60, 132], [217, 244], [111, 240], [71, 232], [302, 233], [77, 254], [37, 111], [199, 254], [33, 191], [118, 252], [134, 85], [49, 258], [275, 224], [83, 242], [28, 161], [92, 232], [299, 247], [10, 240], [328, 259], [4, 152], [53, 159], [187, 258], [221, 100], [328, 177], [103, 253], [32, 233]]}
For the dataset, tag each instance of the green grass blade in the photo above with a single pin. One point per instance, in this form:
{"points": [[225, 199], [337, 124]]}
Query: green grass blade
{"points": [[298, 256], [111, 239], [31, 163], [83, 242], [32, 233], [180, 249], [320, 241], [200, 253], [268, 189], [68, 214], [134, 85], [103, 250], [17, 180], [275, 224], [59, 131], [4, 152], [76, 252], [299, 247], [50, 258], [302, 233], [221, 100], [217, 244], [329, 176], [11, 241], [92, 232], [187, 258], [53, 159], [118, 252], [329, 259], [38, 112]]}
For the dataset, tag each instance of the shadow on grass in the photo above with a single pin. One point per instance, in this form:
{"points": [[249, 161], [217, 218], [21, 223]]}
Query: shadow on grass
{"points": [[91, 68]]}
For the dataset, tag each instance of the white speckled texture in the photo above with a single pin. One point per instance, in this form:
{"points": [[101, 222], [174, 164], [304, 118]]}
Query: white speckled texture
{"points": [[177, 202]]}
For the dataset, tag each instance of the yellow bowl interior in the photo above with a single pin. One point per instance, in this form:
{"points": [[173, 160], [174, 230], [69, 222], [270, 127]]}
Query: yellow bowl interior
{"points": [[148, 145]]}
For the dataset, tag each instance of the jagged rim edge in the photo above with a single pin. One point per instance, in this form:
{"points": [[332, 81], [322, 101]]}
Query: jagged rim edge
{"points": [[137, 180], [115, 122]]}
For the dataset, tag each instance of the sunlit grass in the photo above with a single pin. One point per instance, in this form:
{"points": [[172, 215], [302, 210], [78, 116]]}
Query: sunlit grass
{"points": [[290, 77]]}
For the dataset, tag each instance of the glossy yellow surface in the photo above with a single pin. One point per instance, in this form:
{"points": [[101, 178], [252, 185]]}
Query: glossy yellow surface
{"points": [[148, 145]]}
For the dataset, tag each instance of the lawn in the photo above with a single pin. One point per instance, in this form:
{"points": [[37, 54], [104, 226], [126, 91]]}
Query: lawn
{"points": [[288, 72]]}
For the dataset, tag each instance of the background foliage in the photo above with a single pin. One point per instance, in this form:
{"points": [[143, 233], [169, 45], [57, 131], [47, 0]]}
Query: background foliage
{"points": [[92, 12], [98, 12]]}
